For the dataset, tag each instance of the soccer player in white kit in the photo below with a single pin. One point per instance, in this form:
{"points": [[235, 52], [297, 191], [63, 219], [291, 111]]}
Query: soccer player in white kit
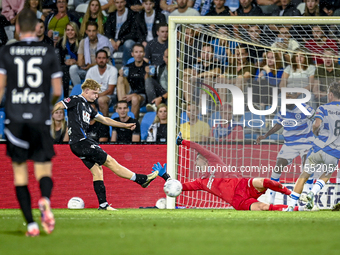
{"points": [[325, 153]]}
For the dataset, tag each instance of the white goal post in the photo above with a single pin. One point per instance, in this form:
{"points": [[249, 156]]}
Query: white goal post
{"points": [[201, 25]]}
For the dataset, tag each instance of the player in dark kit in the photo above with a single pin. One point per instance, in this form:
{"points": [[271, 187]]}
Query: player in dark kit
{"points": [[27, 70], [241, 193], [80, 113]]}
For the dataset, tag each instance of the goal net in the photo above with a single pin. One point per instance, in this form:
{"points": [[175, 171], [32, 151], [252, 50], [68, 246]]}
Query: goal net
{"points": [[229, 79]]}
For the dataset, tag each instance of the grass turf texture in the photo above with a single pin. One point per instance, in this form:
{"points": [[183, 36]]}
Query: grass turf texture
{"points": [[152, 231]]}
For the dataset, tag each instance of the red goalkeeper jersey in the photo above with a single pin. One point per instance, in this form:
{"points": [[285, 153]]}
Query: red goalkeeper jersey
{"points": [[239, 192]]}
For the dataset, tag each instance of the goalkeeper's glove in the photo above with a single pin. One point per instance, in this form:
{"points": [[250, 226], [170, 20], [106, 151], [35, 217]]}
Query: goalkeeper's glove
{"points": [[161, 170]]}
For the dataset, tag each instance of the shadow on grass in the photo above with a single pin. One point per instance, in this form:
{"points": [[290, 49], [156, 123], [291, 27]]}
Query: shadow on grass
{"points": [[13, 232]]}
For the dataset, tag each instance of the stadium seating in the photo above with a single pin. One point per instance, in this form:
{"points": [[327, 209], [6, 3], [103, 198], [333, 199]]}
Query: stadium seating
{"points": [[76, 90], [147, 120]]}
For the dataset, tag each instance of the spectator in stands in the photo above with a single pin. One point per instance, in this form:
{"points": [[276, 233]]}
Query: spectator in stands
{"points": [[284, 41], [147, 22], [256, 36], [157, 132], [319, 42], [93, 13], [40, 33], [67, 49], [268, 76], [300, 74], [194, 129], [10, 10], [220, 9], [155, 48], [59, 129], [168, 6], [120, 29], [312, 8], [87, 52], [247, 8], [239, 70], [183, 9], [131, 86], [286, 9], [205, 71], [36, 6], [98, 131], [122, 135], [106, 76], [224, 49], [228, 132], [57, 20], [156, 86], [325, 74]]}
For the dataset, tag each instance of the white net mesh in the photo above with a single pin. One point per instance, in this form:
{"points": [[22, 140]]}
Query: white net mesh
{"points": [[261, 57]]}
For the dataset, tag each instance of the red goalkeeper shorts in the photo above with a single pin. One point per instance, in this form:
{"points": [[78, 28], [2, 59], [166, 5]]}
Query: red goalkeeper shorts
{"points": [[245, 195]]}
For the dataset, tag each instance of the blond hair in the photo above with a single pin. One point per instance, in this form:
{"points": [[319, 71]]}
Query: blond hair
{"points": [[63, 124], [162, 105], [76, 30], [90, 84]]}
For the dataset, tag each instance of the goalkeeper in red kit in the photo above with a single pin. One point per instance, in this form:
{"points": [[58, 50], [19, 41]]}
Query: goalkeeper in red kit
{"points": [[241, 193]]}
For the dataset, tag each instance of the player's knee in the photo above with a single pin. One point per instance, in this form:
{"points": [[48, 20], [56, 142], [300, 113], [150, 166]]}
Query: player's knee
{"points": [[136, 99]]}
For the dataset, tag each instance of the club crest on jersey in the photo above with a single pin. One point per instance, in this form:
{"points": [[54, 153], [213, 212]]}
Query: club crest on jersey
{"points": [[67, 100], [298, 116], [86, 117]]}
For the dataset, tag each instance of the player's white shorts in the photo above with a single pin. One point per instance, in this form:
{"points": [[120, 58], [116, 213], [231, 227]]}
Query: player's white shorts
{"points": [[291, 152], [320, 162]]}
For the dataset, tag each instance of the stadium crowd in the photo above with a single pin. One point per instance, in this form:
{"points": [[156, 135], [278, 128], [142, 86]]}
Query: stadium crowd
{"points": [[123, 44]]}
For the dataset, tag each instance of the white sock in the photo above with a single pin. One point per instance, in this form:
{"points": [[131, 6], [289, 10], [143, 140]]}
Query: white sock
{"points": [[103, 204], [294, 197], [32, 226], [318, 186], [272, 196], [133, 178], [275, 176]]}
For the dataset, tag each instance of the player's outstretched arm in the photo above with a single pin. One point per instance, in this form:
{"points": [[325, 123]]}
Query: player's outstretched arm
{"points": [[110, 122], [274, 129], [57, 85]]}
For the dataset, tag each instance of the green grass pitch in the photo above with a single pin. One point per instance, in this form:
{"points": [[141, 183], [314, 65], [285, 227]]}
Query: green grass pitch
{"points": [[183, 231]]}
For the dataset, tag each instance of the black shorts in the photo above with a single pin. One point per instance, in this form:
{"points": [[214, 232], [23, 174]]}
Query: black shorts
{"points": [[29, 141], [89, 152]]}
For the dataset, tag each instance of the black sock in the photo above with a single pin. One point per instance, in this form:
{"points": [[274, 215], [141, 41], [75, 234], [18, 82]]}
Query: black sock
{"points": [[100, 190], [141, 178], [24, 198], [46, 185]]}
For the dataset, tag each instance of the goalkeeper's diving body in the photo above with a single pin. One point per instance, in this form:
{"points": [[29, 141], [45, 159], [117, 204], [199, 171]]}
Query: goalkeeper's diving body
{"points": [[241, 193]]}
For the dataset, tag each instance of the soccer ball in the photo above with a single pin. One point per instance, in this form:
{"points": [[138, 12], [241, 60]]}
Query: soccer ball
{"points": [[172, 188], [76, 203], [161, 203]]}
